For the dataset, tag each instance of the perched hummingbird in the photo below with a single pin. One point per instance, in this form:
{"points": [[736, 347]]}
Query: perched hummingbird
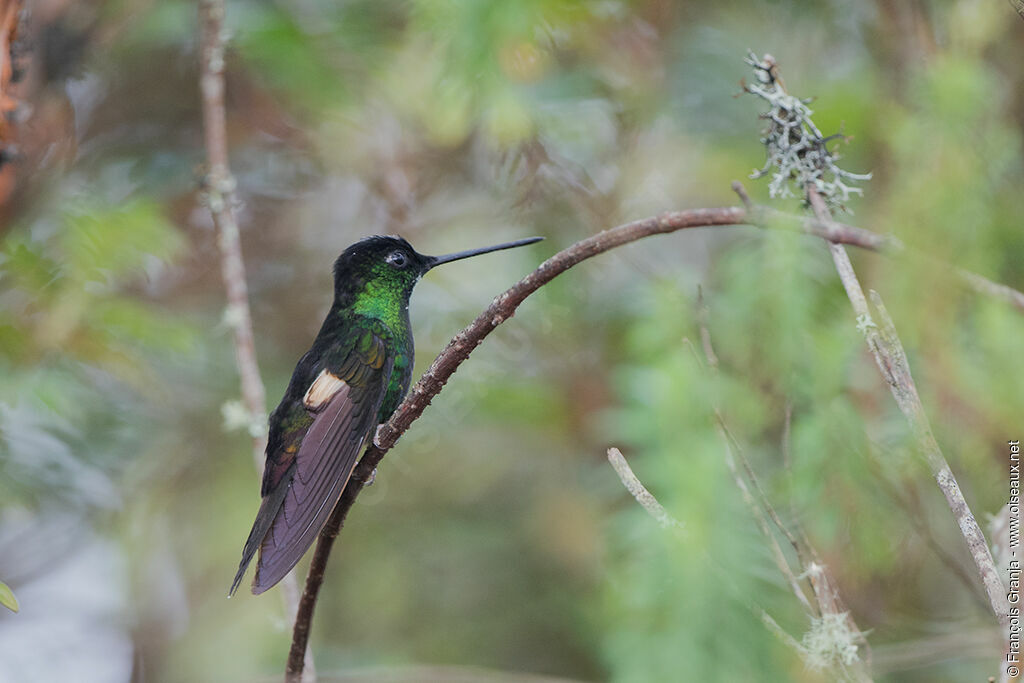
{"points": [[351, 380]]}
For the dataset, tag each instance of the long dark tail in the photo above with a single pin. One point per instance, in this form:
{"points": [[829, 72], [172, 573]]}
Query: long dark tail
{"points": [[264, 520]]}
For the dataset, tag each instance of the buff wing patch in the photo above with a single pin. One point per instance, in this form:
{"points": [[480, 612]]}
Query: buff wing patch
{"points": [[322, 390]]}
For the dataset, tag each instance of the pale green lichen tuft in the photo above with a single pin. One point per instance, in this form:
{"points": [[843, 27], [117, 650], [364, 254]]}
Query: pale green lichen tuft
{"points": [[797, 153], [865, 323], [830, 642]]}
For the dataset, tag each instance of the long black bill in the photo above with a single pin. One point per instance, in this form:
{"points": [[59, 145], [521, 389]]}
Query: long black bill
{"points": [[448, 258]]}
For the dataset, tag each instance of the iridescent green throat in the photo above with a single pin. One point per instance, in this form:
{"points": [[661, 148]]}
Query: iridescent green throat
{"points": [[384, 300]]}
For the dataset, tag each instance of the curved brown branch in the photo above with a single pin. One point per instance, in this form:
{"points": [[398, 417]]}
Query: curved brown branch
{"points": [[500, 310]]}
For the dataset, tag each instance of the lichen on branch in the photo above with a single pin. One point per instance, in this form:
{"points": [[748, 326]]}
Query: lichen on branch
{"points": [[797, 154]]}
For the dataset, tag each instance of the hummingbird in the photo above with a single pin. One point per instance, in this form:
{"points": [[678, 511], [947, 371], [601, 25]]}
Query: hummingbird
{"points": [[351, 380]]}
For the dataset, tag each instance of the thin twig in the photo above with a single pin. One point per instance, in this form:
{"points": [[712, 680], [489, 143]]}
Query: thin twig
{"points": [[842, 233], [828, 607], [705, 333], [734, 453], [807, 167], [732, 445], [907, 498], [220, 198], [639, 491], [982, 285], [787, 457], [762, 522], [781, 634], [891, 359], [656, 510]]}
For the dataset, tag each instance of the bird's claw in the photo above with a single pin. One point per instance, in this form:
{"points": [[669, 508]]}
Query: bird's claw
{"points": [[372, 478], [378, 435]]}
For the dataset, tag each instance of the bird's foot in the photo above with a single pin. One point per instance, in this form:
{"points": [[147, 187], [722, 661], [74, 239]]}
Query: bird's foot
{"points": [[378, 435], [372, 478]]}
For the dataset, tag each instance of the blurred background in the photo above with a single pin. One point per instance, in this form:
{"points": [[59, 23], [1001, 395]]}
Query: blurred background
{"points": [[497, 537]]}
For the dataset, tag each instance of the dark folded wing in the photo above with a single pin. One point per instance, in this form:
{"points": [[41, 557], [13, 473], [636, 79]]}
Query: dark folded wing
{"points": [[264, 519], [321, 470]]}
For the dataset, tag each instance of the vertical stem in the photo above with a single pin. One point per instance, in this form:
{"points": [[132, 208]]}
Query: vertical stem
{"points": [[221, 186], [888, 352], [221, 199]]}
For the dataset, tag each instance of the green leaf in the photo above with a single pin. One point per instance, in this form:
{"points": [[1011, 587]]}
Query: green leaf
{"points": [[7, 598]]}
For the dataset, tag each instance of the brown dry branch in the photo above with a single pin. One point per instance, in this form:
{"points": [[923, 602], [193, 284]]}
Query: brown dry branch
{"points": [[982, 285], [220, 198], [502, 308], [505, 305]]}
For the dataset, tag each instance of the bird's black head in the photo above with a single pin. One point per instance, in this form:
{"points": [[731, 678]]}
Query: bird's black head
{"points": [[379, 267], [380, 270]]}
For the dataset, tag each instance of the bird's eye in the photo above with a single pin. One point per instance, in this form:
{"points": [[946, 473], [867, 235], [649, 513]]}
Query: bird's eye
{"points": [[398, 259]]}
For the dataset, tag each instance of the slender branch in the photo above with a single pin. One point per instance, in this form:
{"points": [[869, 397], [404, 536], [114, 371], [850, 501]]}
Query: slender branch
{"points": [[220, 198], [781, 634], [906, 497], [762, 523], [842, 233], [732, 453], [800, 156], [732, 446], [982, 285], [834, 633], [656, 510], [220, 187], [639, 491], [891, 359]]}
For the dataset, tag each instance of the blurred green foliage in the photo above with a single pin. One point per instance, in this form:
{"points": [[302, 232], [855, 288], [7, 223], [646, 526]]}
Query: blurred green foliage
{"points": [[496, 535]]}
